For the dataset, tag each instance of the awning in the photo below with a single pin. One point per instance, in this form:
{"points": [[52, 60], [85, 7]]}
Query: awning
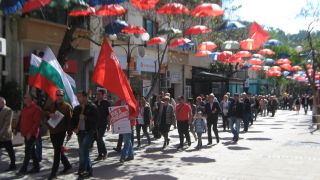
{"points": [[206, 76]]}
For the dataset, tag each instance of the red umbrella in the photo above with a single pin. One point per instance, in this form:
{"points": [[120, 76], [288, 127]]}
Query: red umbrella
{"points": [[83, 12], [266, 51], [203, 53], [317, 77], [207, 45], [286, 66], [33, 4], [157, 40], [249, 44], [275, 68], [295, 68], [309, 66], [256, 67], [144, 4], [207, 9], [173, 8], [133, 29], [224, 55], [242, 64], [243, 54], [198, 29], [111, 10], [310, 71], [236, 60], [267, 71], [283, 61], [180, 41], [255, 61], [274, 73]]}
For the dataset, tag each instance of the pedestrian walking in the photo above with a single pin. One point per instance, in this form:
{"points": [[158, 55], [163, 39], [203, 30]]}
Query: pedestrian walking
{"points": [[29, 124], [225, 104], [194, 110], [6, 132], [273, 105], [174, 104], [200, 127], [200, 104], [247, 111], [305, 103], [252, 107], [58, 133], [235, 115], [297, 104], [263, 105], [212, 111], [143, 120], [256, 107]]}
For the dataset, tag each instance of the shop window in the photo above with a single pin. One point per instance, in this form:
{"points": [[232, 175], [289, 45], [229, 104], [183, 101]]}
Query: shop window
{"points": [[151, 27], [188, 92]]}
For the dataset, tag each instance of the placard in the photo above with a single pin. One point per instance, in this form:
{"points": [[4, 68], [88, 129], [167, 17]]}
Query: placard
{"points": [[54, 122], [119, 119]]}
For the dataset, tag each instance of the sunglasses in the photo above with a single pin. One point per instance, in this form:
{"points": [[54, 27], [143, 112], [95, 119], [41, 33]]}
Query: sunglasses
{"points": [[59, 95]]}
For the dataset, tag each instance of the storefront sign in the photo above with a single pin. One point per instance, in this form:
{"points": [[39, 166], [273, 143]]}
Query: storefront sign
{"points": [[146, 87], [146, 65], [174, 77], [122, 60], [119, 119]]}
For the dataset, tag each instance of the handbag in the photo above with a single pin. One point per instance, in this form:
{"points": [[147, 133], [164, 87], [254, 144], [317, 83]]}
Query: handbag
{"points": [[156, 132]]}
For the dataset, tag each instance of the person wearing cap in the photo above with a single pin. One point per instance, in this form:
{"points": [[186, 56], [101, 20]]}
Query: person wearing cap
{"points": [[212, 110], [235, 115]]}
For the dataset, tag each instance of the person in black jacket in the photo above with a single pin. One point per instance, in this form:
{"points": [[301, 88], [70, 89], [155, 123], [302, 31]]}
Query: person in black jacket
{"points": [[84, 123], [247, 110], [235, 115], [212, 110]]}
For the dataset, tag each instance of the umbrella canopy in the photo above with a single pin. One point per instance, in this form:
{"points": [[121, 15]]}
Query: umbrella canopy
{"points": [[203, 53], [266, 51], [214, 55], [198, 29], [111, 10], [231, 25], [249, 44], [115, 26], [133, 29], [224, 55], [275, 68], [283, 61], [173, 8], [269, 61], [207, 45], [144, 4], [179, 42], [83, 12], [274, 73], [11, 6], [296, 68], [283, 56], [207, 9], [247, 66], [273, 42], [258, 56], [33, 4], [255, 67], [230, 45], [235, 59], [169, 30], [157, 40], [309, 66], [185, 46], [242, 64], [286, 67], [243, 54], [255, 61], [69, 4], [104, 2]]}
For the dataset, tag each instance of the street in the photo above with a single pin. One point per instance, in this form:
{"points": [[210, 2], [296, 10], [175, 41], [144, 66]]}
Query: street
{"points": [[280, 147]]}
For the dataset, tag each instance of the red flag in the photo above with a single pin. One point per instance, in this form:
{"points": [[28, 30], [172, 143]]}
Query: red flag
{"points": [[258, 34], [108, 73]]}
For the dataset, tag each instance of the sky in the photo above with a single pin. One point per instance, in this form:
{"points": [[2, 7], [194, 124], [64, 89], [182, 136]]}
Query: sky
{"points": [[276, 13]]}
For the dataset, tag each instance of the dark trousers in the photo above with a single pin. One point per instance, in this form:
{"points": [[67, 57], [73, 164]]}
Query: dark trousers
{"points": [[212, 121], [225, 122], [120, 140], [183, 127], [273, 111], [57, 142], [9, 148], [144, 129], [29, 150], [98, 136]]}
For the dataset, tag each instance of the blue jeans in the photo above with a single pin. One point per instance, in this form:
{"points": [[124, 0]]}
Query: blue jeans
{"points": [[246, 121], [85, 140], [127, 147], [235, 131]]}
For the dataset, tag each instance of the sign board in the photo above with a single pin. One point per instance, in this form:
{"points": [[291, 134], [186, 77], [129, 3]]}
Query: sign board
{"points": [[105, 95], [119, 119], [146, 87], [174, 77], [246, 83], [146, 65]]}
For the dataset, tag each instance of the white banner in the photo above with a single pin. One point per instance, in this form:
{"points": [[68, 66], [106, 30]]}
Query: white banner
{"points": [[119, 119]]}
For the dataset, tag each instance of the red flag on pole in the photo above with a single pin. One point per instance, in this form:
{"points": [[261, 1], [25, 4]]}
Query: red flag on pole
{"points": [[108, 73], [258, 34]]}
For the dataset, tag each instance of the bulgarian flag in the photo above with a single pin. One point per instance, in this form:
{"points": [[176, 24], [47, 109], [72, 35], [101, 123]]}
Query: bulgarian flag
{"points": [[35, 62], [49, 77]]}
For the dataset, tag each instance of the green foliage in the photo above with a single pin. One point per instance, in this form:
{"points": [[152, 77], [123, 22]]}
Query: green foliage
{"points": [[13, 94]]}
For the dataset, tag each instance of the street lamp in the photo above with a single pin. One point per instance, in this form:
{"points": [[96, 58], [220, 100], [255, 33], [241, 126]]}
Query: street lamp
{"points": [[144, 37], [299, 49]]}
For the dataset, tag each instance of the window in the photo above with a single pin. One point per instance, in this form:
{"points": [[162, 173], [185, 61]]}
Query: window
{"points": [[188, 92], [151, 27]]}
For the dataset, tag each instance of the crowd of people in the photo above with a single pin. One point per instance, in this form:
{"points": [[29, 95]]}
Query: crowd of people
{"points": [[90, 120]]}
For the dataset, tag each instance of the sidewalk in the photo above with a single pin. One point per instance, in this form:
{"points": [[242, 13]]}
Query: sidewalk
{"points": [[279, 147]]}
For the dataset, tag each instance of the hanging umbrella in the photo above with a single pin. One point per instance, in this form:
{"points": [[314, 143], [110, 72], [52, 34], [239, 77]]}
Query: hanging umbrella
{"points": [[309, 66], [207, 45], [69, 4], [266, 51], [33, 4], [198, 29], [286, 67], [247, 66], [224, 55], [179, 42], [231, 25], [207, 9], [275, 68], [12, 6], [273, 42], [257, 56], [283, 61], [173, 8], [283, 56], [235, 59], [157, 40], [185, 46], [242, 64], [133, 29], [255, 67], [81, 12], [144, 4], [105, 2], [214, 55], [243, 54], [111, 10], [115, 26], [296, 68], [267, 71], [230, 45], [285, 73], [169, 30], [269, 61], [274, 73], [255, 61], [249, 44], [204, 53]]}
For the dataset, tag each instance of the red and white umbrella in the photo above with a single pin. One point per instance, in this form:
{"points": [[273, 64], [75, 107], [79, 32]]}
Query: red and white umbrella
{"points": [[33, 4], [83, 12], [255, 67], [180, 41], [157, 40], [198, 29], [286, 67], [133, 29], [224, 55], [249, 44], [144, 4], [255, 61], [173, 8], [275, 68], [204, 53], [207, 45], [295, 68], [207, 9], [111, 10], [283, 61], [266, 51], [243, 54]]}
